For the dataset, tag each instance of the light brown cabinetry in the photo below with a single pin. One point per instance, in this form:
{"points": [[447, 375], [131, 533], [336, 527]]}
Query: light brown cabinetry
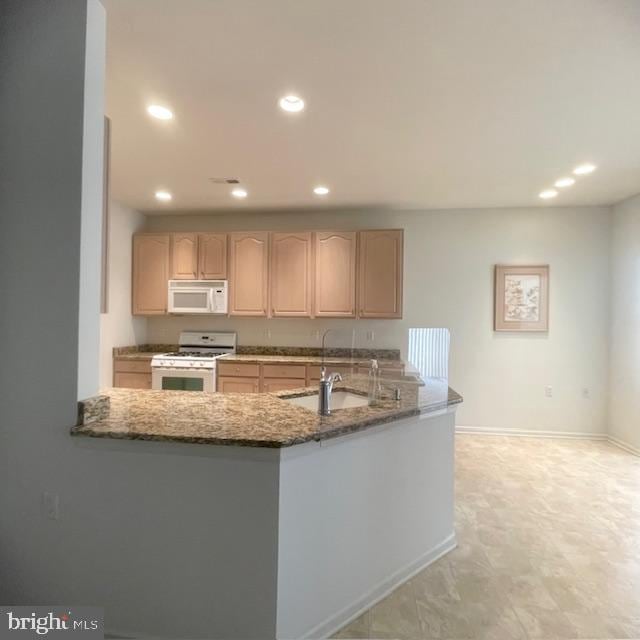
{"points": [[236, 377], [339, 274], [313, 371], [184, 256], [238, 385], [278, 377], [248, 274], [335, 274], [134, 374], [291, 275], [212, 256], [270, 385], [150, 273], [380, 273], [198, 256]]}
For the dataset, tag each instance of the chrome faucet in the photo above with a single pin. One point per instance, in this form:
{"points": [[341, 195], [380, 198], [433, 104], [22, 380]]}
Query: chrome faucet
{"points": [[326, 387]]}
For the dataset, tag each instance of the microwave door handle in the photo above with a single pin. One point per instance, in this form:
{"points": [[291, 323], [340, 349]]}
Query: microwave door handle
{"points": [[211, 301]]}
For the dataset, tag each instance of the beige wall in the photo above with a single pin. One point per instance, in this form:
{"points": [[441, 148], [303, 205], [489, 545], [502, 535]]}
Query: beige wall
{"points": [[449, 259], [624, 389], [118, 327]]}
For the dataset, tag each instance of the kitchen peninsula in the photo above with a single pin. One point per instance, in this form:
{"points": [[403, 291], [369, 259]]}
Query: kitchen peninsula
{"points": [[296, 522]]}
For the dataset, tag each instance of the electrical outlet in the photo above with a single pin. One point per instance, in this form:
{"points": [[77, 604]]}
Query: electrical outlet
{"points": [[316, 335], [548, 391], [51, 505], [371, 336]]}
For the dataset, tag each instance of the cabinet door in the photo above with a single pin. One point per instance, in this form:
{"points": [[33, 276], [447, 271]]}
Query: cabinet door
{"points": [[280, 384], [248, 273], [380, 274], [335, 290], [291, 274], [212, 256], [238, 385], [184, 256], [132, 380], [150, 274]]}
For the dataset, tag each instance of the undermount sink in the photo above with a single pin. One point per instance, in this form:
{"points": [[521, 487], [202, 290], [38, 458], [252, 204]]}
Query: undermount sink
{"points": [[339, 400]]}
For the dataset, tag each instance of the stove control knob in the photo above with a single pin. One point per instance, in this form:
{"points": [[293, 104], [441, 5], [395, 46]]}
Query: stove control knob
{"points": [[171, 363]]}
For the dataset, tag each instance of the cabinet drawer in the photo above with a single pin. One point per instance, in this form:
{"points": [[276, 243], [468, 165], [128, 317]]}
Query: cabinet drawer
{"points": [[132, 366], [314, 370], [238, 369], [384, 372], [132, 380], [238, 385], [284, 371], [280, 384]]}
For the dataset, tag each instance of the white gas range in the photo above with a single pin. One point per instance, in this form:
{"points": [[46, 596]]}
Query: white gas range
{"points": [[193, 366]]}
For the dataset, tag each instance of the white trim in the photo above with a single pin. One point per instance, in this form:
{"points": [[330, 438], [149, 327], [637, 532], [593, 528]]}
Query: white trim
{"points": [[531, 433], [621, 444], [338, 620]]}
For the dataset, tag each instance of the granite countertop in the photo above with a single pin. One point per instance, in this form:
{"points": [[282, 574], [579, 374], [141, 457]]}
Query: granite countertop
{"points": [[276, 355], [246, 419], [138, 355]]}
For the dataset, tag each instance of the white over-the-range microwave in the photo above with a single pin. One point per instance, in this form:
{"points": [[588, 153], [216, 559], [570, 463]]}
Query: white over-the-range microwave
{"points": [[198, 296]]}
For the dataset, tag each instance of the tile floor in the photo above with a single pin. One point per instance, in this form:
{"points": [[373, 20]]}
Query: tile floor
{"points": [[548, 547]]}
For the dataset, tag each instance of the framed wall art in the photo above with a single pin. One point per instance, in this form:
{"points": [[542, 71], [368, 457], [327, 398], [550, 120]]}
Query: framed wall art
{"points": [[521, 298]]}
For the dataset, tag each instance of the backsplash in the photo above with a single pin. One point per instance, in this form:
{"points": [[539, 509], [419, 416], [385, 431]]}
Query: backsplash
{"points": [[281, 332]]}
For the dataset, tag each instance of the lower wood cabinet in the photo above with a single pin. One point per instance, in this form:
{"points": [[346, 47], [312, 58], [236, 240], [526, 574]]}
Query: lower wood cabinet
{"points": [[132, 374], [132, 380], [281, 384], [227, 384]]}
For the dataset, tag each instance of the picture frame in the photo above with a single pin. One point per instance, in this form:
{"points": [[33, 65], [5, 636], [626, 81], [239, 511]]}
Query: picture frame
{"points": [[521, 298]]}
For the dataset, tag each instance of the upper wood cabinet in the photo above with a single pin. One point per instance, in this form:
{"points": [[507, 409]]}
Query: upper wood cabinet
{"points": [[212, 256], [291, 275], [150, 273], [248, 273], [380, 266], [184, 256], [335, 277], [332, 274], [198, 256]]}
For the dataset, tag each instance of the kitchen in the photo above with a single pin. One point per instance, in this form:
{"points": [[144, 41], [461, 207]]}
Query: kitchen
{"points": [[320, 319], [269, 275]]}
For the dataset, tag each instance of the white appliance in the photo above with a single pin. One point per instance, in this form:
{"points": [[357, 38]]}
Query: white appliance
{"points": [[193, 366], [198, 296]]}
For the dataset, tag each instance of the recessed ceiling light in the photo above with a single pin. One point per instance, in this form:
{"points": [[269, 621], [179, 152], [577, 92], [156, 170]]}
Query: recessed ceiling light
{"points": [[564, 182], [239, 193], [584, 169], [159, 112], [548, 193], [165, 196], [292, 104], [321, 191]]}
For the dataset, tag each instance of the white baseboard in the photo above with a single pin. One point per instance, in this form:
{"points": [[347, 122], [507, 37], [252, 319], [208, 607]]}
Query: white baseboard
{"points": [[531, 433], [624, 445], [336, 621]]}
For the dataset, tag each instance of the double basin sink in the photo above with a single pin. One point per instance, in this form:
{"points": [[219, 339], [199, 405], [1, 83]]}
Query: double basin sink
{"points": [[338, 400]]}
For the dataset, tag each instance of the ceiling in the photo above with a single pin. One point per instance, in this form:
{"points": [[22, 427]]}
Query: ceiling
{"points": [[411, 104]]}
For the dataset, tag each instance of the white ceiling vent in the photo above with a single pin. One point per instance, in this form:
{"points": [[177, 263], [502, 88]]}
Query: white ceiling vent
{"points": [[224, 180]]}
